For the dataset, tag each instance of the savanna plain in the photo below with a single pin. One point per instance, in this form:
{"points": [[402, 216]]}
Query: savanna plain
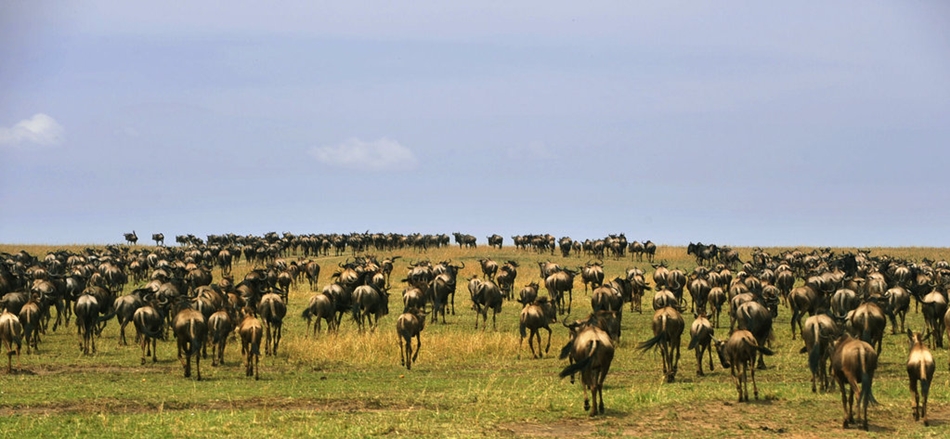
{"points": [[465, 383]]}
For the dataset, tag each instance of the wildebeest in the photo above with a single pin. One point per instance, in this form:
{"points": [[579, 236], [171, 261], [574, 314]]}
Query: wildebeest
{"points": [[251, 331], [507, 274], [933, 306], [534, 316], [495, 241], [191, 331], [29, 317], [149, 327], [321, 307], [131, 238], [738, 351], [667, 329], [592, 273], [408, 325], [650, 249], [159, 239], [220, 326], [853, 362], [819, 333], [272, 310], [920, 368], [87, 318], [11, 333], [125, 307], [591, 352], [803, 299], [701, 340], [464, 240], [489, 268], [559, 283], [369, 304], [485, 295], [867, 322], [528, 294], [715, 299]]}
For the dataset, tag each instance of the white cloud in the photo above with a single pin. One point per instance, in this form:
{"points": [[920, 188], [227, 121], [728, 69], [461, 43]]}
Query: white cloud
{"points": [[39, 130], [532, 151], [378, 155]]}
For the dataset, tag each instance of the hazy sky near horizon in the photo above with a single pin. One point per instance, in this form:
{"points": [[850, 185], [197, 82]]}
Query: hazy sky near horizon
{"points": [[736, 123]]}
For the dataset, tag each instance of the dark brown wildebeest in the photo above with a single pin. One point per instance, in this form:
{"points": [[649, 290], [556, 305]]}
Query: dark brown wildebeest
{"points": [[408, 325], [534, 316], [87, 318], [11, 333], [369, 305], [897, 302], [548, 268], [149, 327], [700, 340], [667, 329], [159, 239], [819, 333], [867, 322], [191, 331], [220, 326], [636, 249], [803, 299], [664, 298], [485, 295], [934, 306], [559, 283], [272, 310], [756, 318], [495, 241], [920, 368], [853, 362], [29, 317], [489, 268], [528, 294], [715, 299], [131, 238], [650, 249], [738, 351], [591, 352], [507, 274], [252, 331], [592, 273], [321, 307]]}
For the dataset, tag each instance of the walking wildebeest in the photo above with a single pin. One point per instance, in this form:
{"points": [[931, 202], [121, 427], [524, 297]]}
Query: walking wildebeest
{"points": [[591, 352], [535, 316], [251, 331], [408, 325], [149, 327], [485, 295], [854, 362], [220, 327], [369, 303], [738, 351], [920, 368], [819, 333], [191, 331], [667, 329], [11, 332], [321, 307], [700, 340], [272, 310]]}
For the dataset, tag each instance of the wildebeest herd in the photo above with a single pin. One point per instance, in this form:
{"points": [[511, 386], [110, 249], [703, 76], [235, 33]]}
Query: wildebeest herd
{"points": [[845, 300]]}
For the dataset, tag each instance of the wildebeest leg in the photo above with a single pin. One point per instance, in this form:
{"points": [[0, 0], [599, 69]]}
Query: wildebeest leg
{"points": [[548, 347], [755, 388], [418, 346]]}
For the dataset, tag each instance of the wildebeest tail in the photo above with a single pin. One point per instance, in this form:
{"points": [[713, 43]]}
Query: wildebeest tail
{"points": [[522, 329], [306, 314], [193, 335], [258, 334], [866, 378], [693, 341], [580, 365]]}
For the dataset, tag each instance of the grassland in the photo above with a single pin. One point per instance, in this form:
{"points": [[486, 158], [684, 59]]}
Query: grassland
{"points": [[466, 383]]}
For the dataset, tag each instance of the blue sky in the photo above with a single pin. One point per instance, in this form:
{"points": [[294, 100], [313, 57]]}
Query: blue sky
{"points": [[740, 123]]}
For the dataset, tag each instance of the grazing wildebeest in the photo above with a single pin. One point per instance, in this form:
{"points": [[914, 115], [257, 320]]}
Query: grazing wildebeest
{"points": [[667, 329], [320, 307], [220, 326], [920, 368], [700, 340], [853, 362], [251, 331], [534, 316], [591, 352], [272, 310], [408, 325], [131, 238], [191, 331], [159, 239], [559, 283], [11, 333], [738, 351], [485, 295], [819, 332]]}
